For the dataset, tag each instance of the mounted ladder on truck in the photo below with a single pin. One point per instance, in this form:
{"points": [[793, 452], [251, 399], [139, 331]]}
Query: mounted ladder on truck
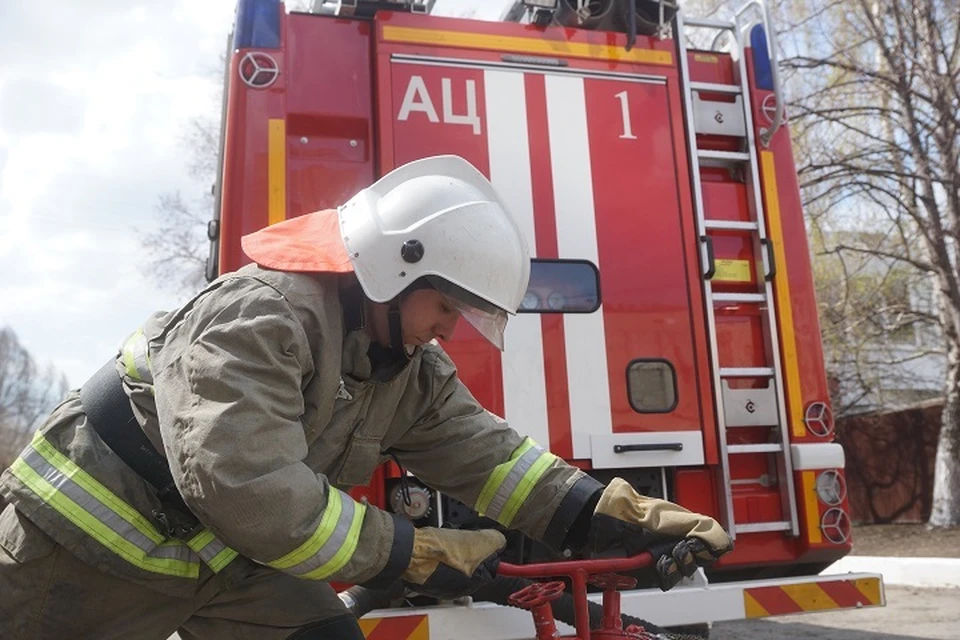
{"points": [[669, 335], [719, 122]]}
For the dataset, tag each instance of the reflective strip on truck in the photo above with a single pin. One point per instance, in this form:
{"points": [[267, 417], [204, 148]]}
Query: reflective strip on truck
{"points": [[788, 338], [510, 483], [332, 544], [761, 602], [276, 170], [396, 628], [542, 46], [100, 513]]}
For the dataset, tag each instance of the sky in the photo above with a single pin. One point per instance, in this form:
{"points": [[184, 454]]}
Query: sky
{"points": [[95, 98]]}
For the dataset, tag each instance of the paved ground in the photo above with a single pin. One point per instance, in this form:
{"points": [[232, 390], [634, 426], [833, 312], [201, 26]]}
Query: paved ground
{"points": [[910, 613], [906, 540]]}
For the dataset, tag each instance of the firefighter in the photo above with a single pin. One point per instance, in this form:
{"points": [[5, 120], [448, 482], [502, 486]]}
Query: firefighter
{"points": [[197, 482]]}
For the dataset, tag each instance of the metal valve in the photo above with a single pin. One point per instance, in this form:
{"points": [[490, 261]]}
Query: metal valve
{"points": [[537, 598]]}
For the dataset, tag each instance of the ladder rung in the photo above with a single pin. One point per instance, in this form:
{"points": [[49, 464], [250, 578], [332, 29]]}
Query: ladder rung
{"points": [[735, 225], [746, 372], [738, 297], [723, 156], [760, 527], [754, 448], [713, 87], [709, 24]]}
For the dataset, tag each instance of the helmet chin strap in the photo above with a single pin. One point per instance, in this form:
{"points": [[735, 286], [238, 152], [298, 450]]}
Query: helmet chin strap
{"points": [[396, 330]]}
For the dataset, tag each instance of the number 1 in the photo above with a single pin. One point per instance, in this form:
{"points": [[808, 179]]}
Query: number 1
{"points": [[625, 112]]}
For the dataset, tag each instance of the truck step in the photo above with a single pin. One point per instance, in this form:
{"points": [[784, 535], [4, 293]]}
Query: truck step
{"points": [[746, 372], [723, 157], [755, 448], [705, 23], [713, 87], [731, 225], [761, 527], [738, 297]]}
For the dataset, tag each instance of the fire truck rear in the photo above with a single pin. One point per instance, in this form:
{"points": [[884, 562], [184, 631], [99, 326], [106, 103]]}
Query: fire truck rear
{"points": [[669, 335]]}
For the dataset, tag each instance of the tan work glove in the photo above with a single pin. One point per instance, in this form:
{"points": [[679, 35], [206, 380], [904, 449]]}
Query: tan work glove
{"points": [[450, 563], [680, 539]]}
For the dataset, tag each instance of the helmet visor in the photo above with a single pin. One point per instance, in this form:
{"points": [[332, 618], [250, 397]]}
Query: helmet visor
{"points": [[487, 318], [490, 324]]}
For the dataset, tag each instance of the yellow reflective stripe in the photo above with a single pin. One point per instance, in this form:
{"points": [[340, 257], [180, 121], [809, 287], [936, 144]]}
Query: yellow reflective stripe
{"points": [[808, 482], [128, 364], [346, 551], [788, 336], [211, 550], [70, 469], [201, 540], [332, 544], [328, 524], [222, 559], [95, 529], [535, 45], [136, 357], [752, 608], [276, 170], [498, 475], [522, 492]]}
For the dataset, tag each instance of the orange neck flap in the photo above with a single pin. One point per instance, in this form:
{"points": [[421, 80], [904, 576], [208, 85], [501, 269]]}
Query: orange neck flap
{"points": [[310, 243]]}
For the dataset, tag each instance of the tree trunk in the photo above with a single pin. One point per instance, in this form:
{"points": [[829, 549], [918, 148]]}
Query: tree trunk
{"points": [[946, 487]]}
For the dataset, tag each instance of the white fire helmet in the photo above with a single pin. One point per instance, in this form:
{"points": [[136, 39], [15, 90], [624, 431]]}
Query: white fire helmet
{"points": [[440, 219]]}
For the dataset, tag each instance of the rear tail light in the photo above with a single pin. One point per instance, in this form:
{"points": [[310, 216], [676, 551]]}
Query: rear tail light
{"points": [[835, 524]]}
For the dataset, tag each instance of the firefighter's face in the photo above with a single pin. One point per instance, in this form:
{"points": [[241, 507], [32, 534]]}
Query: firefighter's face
{"points": [[427, 314]]}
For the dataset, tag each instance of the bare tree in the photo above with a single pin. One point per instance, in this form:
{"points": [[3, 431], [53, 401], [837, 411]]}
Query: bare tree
{"points": [[878, 320], [27, 393], [877, 120], [177, 247]]}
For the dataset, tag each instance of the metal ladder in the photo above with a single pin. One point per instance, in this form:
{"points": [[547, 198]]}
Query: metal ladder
{"points": [[727, 410]]}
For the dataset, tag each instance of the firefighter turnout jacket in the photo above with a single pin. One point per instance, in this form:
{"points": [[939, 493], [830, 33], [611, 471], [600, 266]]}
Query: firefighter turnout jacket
{"points": [[264, 401]]}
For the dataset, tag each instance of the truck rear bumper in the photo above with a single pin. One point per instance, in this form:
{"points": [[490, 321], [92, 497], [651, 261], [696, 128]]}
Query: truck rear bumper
{"points": [[695, 603]]}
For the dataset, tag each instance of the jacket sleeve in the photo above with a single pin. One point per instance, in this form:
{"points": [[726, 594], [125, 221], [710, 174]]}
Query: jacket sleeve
{"points": [[228, 390], [460, 449]]}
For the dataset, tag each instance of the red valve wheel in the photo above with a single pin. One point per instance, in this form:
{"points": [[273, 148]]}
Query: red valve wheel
{"points": [[613, 581], [537, 594]]}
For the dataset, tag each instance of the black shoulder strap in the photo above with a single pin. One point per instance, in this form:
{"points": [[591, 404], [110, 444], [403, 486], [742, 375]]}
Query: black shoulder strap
{"points": [[109, 412]]}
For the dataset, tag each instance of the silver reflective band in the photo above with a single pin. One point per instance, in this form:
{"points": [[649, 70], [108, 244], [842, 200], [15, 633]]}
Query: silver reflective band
{"points": [[137, 543], [512, 481], [212, 551], [332, 544], [136, 358]]}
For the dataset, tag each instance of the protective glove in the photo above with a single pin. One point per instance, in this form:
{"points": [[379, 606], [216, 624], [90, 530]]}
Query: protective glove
{"points": [[679, 539], [450, 563]]}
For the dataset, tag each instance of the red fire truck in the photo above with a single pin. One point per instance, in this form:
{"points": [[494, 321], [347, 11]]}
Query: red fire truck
{"points": [[669, 335]]}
